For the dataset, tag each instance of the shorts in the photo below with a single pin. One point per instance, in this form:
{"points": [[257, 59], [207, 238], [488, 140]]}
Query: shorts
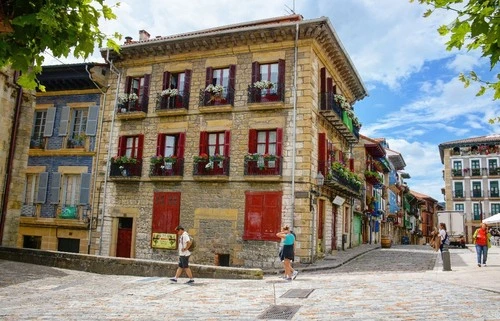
{"points": [[183, 262], [287, 253]]}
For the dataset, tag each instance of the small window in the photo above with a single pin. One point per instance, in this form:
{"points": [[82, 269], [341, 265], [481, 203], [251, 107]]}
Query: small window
{"points": [[38, 129]]}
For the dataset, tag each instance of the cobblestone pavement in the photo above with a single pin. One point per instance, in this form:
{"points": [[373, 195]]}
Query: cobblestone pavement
{"points": [[401, 283]]}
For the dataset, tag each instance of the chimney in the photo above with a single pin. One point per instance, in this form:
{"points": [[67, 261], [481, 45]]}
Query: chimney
{"points": [[128, 39], [143, 35]]}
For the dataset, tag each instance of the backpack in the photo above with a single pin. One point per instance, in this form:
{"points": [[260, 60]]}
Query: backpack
{"points": [[446, 240], [193, 244]]}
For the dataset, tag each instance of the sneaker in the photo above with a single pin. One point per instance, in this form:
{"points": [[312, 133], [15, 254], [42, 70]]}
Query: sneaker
{"points": [[294, 275], [479, 265], [190, 281], [288, 279], [173, 280], [484, 264], [282, 277]]}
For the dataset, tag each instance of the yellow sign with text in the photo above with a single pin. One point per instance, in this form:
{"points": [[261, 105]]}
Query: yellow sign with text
{"points": [[166, 241]]}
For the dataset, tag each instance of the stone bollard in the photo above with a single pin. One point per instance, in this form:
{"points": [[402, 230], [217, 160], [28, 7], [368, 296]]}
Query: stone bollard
{"points": [[445, 255]]}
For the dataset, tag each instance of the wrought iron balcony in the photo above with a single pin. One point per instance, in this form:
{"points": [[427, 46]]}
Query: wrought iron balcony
{"points": [[118, 170], [206, 167], [263, 167], [338, 117], [166, 169], [209, 99], [274, 94], [179, 101]]}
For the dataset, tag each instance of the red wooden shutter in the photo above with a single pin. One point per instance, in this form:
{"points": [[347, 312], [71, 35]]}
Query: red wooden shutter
{"points": [[341, 157], [140, 146], [262, 215], [122, 145], [232, 83], [322, 153], [180, 145], [203, 143], [187, 88], [128, 82], [252, 141], [209, 76], [227, 142], [322, 78], [329, 84], [166, 212], [166, 80], [160, 144], [351, 164], [255, 71], [334, 89], [145, 93], [279, 141], [254, 203], [281, 79]]}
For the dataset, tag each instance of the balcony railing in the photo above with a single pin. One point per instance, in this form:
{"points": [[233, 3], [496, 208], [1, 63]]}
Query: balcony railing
{"points": [[132, 106], [37, 142], [456, 172], [340, 181], [477, 194], [274, 94], [172, 102], [340, 118], [167, 169], [226, 98], [494, 171], [458, 194], [263, 167], [475, 172], [494, 193], [126, 169], [211, 168]]}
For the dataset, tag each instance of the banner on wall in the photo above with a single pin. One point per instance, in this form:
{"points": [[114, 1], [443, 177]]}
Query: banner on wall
{"points": [[166, 241]]}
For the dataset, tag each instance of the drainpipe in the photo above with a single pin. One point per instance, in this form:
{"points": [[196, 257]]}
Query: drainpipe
{"points": [[96, 161], [294, 120], [113, 69], [10, 157]]}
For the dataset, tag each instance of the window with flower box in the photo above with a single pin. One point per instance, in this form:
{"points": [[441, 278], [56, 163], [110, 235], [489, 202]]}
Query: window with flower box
{"points": [[327, 154], [219, 86], [262, 215], [128, 161], [38, 129], [268, 82], [70, 190], [175, 90], [136, 94], [213, 158], [264, 152], [169, 158]]}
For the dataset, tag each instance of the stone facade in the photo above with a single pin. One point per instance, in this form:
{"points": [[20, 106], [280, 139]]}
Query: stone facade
{"points": [[214, 208]]}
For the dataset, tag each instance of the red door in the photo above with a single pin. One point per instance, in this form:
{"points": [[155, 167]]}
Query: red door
{"points": [[321, 222], [166, 212], [124, 241], [334, 227]]}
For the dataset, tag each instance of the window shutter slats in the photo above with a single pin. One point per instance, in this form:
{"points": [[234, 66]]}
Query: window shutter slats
{"points": [[322, 77], [180, 145], [252, 141], [43, 180], [187, 88], [55, 188], [209, 77], [91, 128], [279, 141], [255, 71], [48, 131], [140, 146], [160, 145], [281, 78], [322, 153], [227, 142], [232, 83], [63, 124], [145, 93], [128, 83], [203, 143], [166, 80], [85, 188], [122, 145]]}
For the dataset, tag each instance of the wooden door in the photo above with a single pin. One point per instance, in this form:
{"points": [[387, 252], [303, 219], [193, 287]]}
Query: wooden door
{"points": [[321, 224], [334, 227], [124, 240]]}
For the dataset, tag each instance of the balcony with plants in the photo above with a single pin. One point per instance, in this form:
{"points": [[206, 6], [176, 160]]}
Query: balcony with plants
{"points": [[171, 101], [456, 172], [131, 107], [339, 112], [124, 167], [216, 95], [262, 165], [342, 178], [213, 165], [37, 142], [264, 91], [373, 177], [168, 166]]}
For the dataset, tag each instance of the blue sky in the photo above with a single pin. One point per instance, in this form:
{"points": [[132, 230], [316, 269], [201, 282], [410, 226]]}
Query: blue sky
{"points": [[415, 98]]}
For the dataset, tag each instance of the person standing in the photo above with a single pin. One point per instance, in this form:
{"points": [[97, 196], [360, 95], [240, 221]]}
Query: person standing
{"points": [[435, 239], [287, 254], [443, 235], [184, 253], [482, 241]]}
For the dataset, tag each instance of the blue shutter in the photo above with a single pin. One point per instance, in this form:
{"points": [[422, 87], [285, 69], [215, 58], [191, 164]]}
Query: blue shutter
{"points": [[43, 180], [49, 122], [91, 128], [84, 189], [63, 125], [55, 187]]}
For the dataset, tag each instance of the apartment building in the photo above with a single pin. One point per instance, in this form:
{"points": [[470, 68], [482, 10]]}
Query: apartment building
{"points": [[231, 132], [472, 175]]}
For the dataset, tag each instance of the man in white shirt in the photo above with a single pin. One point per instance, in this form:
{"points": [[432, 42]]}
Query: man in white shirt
{"points": [[184, 253]]}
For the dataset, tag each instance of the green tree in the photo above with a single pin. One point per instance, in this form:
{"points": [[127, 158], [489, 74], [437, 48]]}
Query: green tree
{"points": [[476, 27], [30, 27]]}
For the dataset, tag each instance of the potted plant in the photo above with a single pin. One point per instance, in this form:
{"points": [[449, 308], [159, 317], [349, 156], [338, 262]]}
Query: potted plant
{"points": [[342, 101], [215, 91], [271, 160], [124, 99], [263, 84]]}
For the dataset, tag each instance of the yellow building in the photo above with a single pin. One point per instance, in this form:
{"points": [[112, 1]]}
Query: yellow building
{"points": [[231, 132]]}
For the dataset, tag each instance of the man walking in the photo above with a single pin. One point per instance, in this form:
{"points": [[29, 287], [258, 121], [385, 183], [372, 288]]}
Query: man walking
{"points": [[184, 253]]}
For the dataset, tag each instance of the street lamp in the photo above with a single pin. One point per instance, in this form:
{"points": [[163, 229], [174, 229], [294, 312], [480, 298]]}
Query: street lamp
{"points": [[320, 180]]}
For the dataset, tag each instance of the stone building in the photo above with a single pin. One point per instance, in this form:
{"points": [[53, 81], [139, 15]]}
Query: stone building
{"points": [[54, 211], [16, 107], [231, 132], [472, 178]]}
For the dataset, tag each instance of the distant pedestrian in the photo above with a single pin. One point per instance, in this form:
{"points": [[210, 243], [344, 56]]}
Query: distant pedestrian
{"points": [[482, 241], [443, 235], [287, 253], [184, 253], [435, 239]]}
